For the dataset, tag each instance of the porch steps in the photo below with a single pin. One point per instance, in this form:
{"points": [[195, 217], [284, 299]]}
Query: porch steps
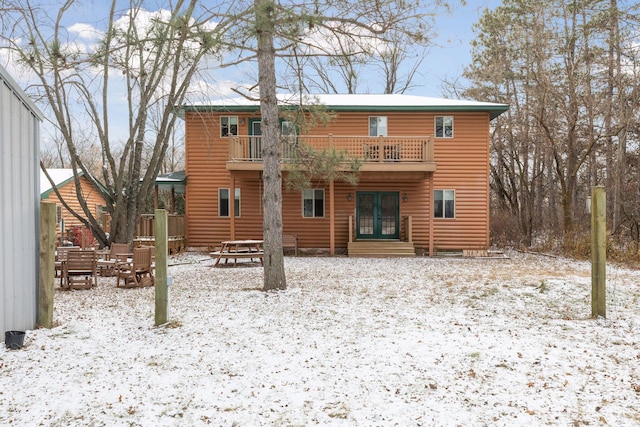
{"points": [[381, 249]]}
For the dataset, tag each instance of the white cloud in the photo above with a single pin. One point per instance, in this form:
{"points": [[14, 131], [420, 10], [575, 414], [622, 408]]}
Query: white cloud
{"points": [[86, 32]]}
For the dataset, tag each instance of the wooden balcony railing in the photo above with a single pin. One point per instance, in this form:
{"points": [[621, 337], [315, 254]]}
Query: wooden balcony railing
{"points": [[146, 226], [368, 149]]}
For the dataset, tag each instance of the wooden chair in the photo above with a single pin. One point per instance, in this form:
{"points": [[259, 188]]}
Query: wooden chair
{"points": [[61, 259], [118, 252], [152, 251], [290, 241], [136, 273], [80, 269]]}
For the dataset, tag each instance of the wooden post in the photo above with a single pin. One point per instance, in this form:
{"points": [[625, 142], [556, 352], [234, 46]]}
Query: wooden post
{"points": [[332, 219], [47, 267], [430, 210], [232, 209], [598, 252], [161, 289]]}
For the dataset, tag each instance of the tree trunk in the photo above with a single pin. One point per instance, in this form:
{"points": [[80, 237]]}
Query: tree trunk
{"points": [[274, 276]]}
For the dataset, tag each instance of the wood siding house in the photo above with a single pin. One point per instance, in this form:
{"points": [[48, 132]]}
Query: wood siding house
{"points": [[424, 179], [65, 182]]}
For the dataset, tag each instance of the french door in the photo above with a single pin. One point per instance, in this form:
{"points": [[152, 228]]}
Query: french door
{"points": [[377, 215]]}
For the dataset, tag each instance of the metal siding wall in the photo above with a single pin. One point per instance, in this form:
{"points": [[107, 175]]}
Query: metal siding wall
{"points": [[19, 211]]}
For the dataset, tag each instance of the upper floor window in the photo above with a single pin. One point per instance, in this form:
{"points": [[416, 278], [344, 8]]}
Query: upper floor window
{"points": [[444, 204], [444, 126], [228, 126], [313, 203], [223, 202], [378, 126], [288, 131]]}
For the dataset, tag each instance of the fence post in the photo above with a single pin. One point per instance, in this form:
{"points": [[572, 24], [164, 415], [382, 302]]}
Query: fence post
{"points": [[47, 272], [598, 252], [161, 289]]}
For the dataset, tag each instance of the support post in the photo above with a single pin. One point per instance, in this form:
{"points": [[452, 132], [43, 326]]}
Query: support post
{"points": [[47, 261], [161, 289], [598, 252], [332, 219]]}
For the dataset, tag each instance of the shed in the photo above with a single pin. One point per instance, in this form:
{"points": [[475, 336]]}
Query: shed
{"points": [[64, 180], [19, 206]]}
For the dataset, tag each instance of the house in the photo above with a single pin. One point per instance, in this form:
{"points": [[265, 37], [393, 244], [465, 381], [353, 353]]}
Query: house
{"points": [[19, 208], [423, 183], [65, 183]]}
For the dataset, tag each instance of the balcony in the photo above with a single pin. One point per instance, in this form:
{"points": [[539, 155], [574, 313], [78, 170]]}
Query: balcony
{"points": [[377, 154]]}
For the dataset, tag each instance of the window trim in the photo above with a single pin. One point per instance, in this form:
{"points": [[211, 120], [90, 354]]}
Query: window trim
{"points": [[237, 199], [386, 128], [444, 200], [444, 132], [228, 126], [313, 208]]}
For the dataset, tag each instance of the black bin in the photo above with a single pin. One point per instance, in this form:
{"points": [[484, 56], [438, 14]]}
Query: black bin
{"points": [[14, 339]]}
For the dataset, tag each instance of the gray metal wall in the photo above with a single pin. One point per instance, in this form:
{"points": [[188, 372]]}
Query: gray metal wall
{"points": [[19, 206]]}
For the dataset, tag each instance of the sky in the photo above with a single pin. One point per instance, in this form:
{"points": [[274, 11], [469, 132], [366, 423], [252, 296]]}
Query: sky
{"points": [[453, 51], [446, 59]]}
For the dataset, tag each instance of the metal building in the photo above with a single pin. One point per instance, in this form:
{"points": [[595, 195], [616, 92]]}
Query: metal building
{"points": [[19, 206]]}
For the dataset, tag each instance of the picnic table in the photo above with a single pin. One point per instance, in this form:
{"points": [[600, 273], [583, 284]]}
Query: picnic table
{"points": [[234, 249]]}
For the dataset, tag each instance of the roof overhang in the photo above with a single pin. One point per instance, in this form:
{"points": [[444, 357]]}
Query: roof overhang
{"points": [[357, 103]]}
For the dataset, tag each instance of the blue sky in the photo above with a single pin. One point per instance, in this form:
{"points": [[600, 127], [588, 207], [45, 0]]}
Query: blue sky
{"points": [[446, 60], [454, 51]]}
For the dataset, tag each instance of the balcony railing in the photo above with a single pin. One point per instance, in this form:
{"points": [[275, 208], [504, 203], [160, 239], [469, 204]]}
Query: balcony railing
{"points": [[367, 149]]}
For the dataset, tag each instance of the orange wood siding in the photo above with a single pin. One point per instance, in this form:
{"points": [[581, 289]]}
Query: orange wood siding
{"points": [[462, 165], [68, 193]]}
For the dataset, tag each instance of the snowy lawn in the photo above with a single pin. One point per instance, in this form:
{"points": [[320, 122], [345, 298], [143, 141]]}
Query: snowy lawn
{"points": [[351, 342]]}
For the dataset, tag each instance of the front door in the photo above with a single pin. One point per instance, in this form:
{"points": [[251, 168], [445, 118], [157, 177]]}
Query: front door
{"points": [[377, 215]]}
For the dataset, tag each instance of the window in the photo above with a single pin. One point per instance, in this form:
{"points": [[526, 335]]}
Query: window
{"points": [[444, 204], [444, 126], [378, 126], [223, 202], [228, 126], [287, 129], [288, 132], [313, 203]]}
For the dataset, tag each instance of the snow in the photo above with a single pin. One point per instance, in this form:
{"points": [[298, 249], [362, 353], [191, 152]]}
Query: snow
{"points": [[58, 176], [362, 100], [351, 342]]}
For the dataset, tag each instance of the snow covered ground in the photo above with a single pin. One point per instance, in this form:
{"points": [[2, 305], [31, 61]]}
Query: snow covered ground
{"points": [[351, 342]]}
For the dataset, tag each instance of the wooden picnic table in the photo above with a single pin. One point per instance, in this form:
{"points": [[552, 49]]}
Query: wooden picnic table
{"points": [[234, 249]]}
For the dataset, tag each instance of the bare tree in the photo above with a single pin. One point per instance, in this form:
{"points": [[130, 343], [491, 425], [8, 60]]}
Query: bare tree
{"points": [[568, 71], [146, 58]]}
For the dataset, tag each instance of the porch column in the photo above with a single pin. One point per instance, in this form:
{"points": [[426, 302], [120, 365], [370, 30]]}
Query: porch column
{"points": [[430, 210], [232, 209], [332, 219]]}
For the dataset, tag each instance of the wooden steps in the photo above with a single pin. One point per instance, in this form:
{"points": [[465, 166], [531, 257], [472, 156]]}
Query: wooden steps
{"points": [[381, 248]]}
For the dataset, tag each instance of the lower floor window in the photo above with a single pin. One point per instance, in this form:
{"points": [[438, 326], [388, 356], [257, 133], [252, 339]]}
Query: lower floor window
{"points": [[444, 204], [223, 202], [313, 203]]}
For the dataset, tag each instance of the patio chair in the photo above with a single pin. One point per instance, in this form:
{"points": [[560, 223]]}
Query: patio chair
{"points": [[118, 252], [80, 269], [290, 241], [152, 251], [137, 272], [61, 259]]}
